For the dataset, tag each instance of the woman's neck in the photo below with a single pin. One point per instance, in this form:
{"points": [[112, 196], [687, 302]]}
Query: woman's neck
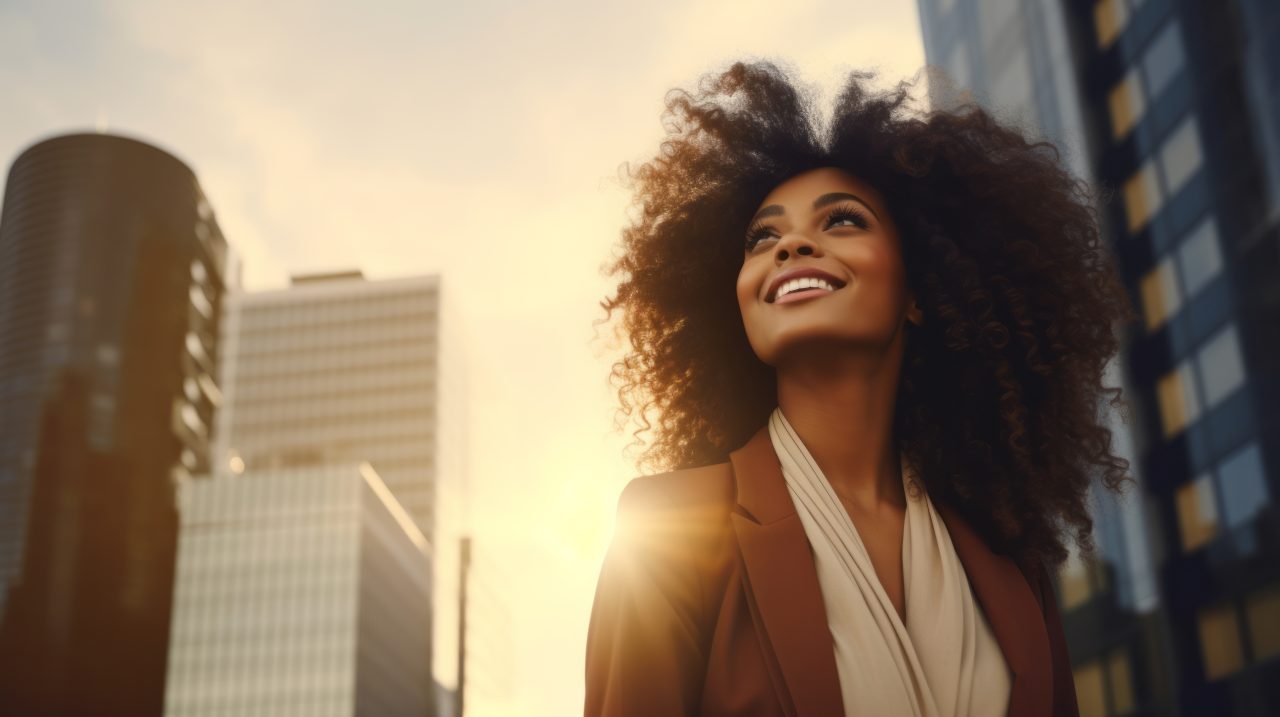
{"points": [[842, 408]]}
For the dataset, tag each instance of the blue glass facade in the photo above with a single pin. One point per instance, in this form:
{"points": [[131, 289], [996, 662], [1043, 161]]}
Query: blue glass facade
{"points": [[1176, 104]]}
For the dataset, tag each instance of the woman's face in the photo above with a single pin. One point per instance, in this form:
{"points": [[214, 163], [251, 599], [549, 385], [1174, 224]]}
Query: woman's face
{"points": [[822, 266]]}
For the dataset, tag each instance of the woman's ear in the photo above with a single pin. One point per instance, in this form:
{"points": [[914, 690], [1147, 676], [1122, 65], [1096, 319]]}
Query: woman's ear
{"points": [[914, 314]]}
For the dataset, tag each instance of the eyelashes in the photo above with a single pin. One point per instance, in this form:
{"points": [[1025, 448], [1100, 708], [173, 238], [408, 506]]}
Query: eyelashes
{"points": [[848, 213], [759, 231], [756, 233]]}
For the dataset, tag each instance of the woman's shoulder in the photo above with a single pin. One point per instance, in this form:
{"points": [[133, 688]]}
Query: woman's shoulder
{"points": [[703, 488], [661, 585], [690, 504]]}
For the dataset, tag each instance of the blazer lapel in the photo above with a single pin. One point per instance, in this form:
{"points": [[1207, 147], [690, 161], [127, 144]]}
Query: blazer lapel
{"points": [[783, 581], [1013, 613]]}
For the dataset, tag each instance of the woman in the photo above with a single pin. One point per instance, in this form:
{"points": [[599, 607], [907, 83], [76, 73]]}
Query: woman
{"points": [[874, 352]]}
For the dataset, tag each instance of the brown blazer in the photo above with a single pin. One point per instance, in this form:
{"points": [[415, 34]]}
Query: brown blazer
{"points": [[709, 604]]}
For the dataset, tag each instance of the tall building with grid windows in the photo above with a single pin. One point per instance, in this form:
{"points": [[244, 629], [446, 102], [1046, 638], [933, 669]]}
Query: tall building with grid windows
{"points": [[112, 272], [1175, 105], [337, 369], [332, 370], [300, 591]]}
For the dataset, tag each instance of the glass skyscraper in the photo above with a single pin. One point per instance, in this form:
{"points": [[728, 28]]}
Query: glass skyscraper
{"points": [[300, 591], [1172, 105], [111, 277]]}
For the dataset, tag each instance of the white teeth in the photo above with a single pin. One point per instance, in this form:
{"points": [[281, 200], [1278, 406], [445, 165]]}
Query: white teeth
{"points": [[808, 282]]}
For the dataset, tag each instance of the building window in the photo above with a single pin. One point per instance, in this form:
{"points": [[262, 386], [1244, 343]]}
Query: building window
{"points": [[195, 347], [1142, 196], [1243, 485], [1091, 693], [1160, 296], [1120, 675], [186, 416], [102, 413], [198, 272], [1199, 257], [1127, 103], [1221, 367], [1080, 578], [1105, 688], [1180, 156], [1109, 18], [1262, 608], [1164, 59], [210, 389], [191, 389], [1220, 641], [200, 301], [1160, 64], [1176, 393], [1197, 512], [108, 354]]}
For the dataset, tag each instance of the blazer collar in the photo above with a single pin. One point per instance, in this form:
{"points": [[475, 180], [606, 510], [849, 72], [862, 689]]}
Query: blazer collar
{"points": [[783, 584]]}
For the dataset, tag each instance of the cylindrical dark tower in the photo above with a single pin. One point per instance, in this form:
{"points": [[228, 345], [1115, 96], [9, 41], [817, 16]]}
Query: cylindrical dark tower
{"points": [[111, 279]]}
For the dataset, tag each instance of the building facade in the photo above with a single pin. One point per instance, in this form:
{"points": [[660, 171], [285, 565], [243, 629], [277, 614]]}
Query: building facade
{"points": [[300, 591], [111, 277], [332, 370], [337, 369], [1172, 105]]}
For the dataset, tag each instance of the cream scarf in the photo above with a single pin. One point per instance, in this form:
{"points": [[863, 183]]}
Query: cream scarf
{"points": [[944, 662]]}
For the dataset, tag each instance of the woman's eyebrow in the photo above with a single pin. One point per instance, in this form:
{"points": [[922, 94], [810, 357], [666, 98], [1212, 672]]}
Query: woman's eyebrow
{"points": [[774, 210]]}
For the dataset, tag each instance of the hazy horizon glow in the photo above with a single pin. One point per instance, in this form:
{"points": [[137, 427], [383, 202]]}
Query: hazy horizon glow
{"points": [[481, 141]]}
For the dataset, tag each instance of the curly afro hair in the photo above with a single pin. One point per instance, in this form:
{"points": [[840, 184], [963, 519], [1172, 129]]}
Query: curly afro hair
{"points": [[999, 402]]}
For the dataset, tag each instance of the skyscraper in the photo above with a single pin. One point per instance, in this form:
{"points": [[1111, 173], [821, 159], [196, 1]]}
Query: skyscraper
{"points": [[300, 591], [1173, 105], [335, 370], [111, 277]]}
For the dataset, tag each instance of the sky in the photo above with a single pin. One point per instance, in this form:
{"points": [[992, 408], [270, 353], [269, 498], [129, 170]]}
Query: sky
{"points": [[482, 141]]}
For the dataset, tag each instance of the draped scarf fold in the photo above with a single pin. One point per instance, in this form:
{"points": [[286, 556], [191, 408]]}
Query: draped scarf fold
{"points": [[945, 661]]}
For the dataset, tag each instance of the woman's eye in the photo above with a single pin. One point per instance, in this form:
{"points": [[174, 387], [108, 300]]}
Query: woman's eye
{"points": [[847, 216], [755, 235]]}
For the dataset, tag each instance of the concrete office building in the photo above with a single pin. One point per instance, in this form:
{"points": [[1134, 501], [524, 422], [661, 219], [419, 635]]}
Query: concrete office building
{"points": [[1174, 106], [335, 369], [111, 276], [300, 591]]}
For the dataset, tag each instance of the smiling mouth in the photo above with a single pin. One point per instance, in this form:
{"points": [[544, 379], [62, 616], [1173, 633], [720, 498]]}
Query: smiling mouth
{"points": [[802, 288]]}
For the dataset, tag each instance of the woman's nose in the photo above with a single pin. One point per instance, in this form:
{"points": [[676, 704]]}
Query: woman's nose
{"points": [[793, 244]]}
